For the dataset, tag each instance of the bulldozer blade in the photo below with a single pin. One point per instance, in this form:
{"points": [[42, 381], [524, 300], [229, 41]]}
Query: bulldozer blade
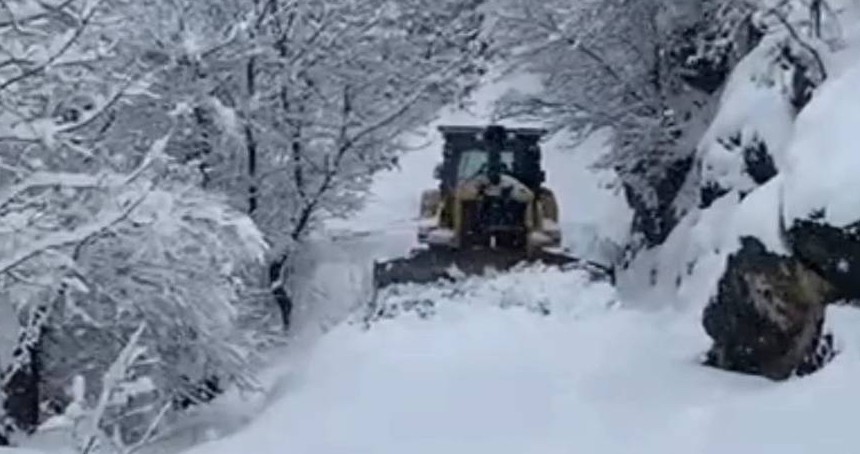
{"points": [[432, 265]]}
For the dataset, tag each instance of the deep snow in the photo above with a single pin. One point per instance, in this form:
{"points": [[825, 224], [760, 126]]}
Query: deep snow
{"points": [[590, 377]]}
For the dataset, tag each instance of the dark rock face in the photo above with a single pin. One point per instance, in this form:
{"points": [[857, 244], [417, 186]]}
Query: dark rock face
{"points": [[804, 77], [767, 316], [709, 193], [758, 163], [832, 252]]}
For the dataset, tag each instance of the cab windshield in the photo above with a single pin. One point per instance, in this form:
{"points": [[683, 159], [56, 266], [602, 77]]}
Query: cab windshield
{"points": [[474, 163]]}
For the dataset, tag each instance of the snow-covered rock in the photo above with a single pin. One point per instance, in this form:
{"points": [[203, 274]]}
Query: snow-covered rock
{"points": [[832, 252], [767, 315], [821, 191]]}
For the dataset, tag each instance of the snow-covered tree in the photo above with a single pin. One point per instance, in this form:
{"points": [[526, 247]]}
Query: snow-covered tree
{"points": [[618, 64], [142, 143], [293, 108], [100, 228]]}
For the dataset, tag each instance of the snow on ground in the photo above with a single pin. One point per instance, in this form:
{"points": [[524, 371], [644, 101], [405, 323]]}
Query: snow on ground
{"points": [[591, 377]]}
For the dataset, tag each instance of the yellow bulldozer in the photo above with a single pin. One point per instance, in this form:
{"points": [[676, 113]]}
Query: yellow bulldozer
{"points": [[491, 210]]}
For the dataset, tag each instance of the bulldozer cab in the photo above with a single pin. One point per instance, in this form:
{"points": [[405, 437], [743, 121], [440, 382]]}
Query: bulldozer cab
{"points": [[467, 154]]}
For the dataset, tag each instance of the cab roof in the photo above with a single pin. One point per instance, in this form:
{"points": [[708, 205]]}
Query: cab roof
{"points": [[477, 132]]}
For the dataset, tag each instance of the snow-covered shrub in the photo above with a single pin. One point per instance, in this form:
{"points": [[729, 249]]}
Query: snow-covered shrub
{"points": [[123, 249]]}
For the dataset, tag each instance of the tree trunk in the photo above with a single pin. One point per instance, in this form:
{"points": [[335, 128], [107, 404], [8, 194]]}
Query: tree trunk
{"points": [[815, 16], [21, 380], [250, 140], [278, 284]]}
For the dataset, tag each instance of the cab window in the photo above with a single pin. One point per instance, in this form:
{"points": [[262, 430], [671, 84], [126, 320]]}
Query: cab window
{"points": [[474, 162]]}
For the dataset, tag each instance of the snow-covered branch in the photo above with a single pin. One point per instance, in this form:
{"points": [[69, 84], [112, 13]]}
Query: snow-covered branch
{"points": [[61, 239], [62, 49], [118, 385], [17, 20]]}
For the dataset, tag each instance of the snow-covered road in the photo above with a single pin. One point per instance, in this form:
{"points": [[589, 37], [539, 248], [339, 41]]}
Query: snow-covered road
{"points": [[594, 216], [485, 375]]}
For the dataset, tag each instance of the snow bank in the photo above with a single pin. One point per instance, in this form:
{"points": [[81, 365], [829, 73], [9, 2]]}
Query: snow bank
{"points": [[823, 158]]}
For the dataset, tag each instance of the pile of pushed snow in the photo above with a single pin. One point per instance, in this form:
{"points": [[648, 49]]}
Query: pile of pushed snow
{"points": [[536, 288]]}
